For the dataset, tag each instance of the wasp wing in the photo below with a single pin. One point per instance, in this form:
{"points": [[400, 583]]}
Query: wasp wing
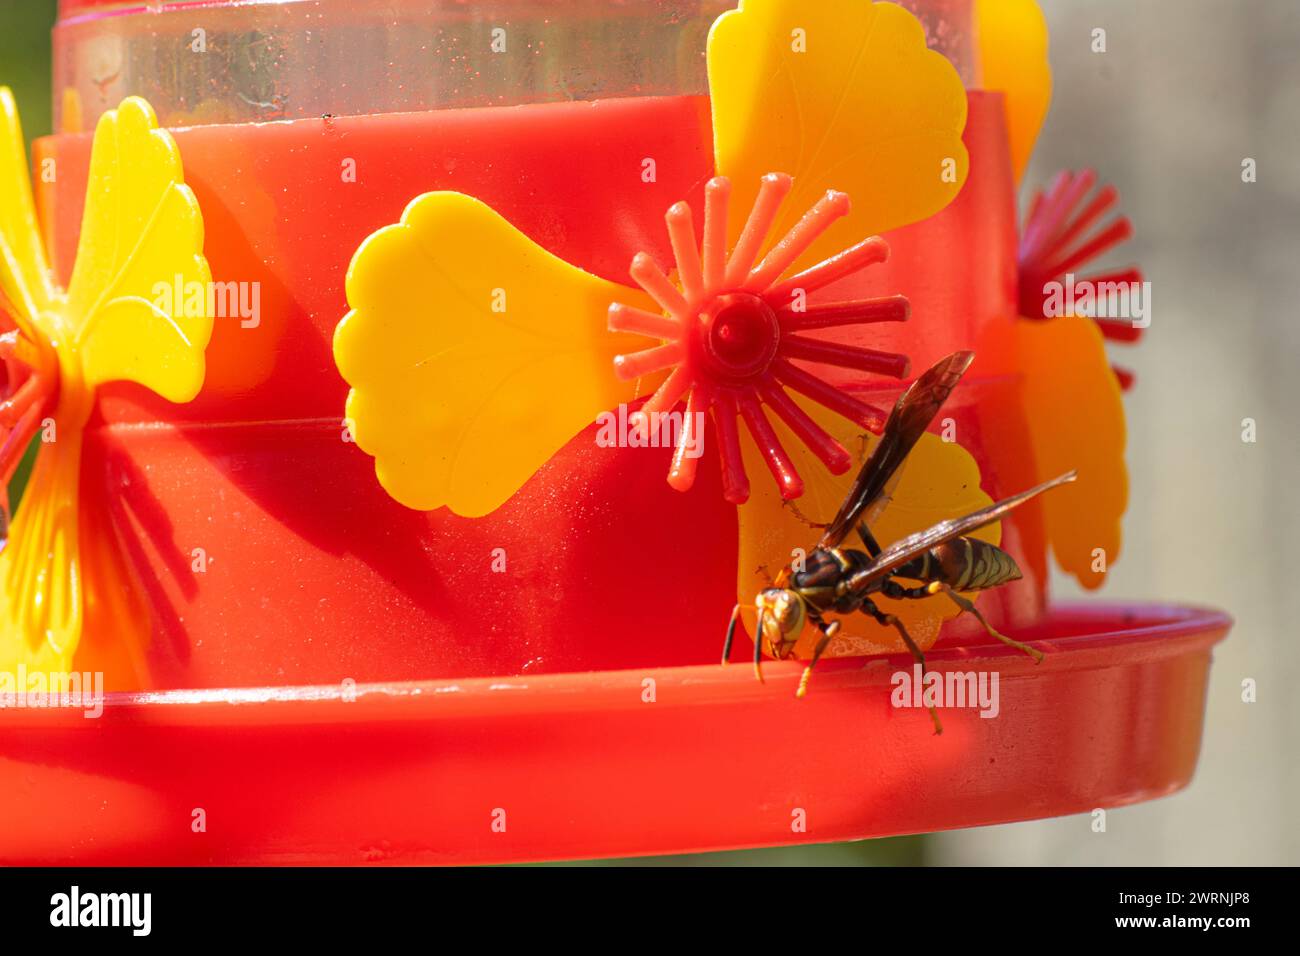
{"points": [[908, 421], [904, 550]]}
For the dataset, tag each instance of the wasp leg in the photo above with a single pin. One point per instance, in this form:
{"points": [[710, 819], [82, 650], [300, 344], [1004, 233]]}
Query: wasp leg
{"points": [[968, 605], [731, 634], [794, 509], [892, 589], [828, 632], [868, 539], [758, 649], [765, 573], [918, 655]]}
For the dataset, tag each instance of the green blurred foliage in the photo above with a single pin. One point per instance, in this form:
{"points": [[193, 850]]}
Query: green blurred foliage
{"points": [[25, 68], [897, 851], [25, 59]]}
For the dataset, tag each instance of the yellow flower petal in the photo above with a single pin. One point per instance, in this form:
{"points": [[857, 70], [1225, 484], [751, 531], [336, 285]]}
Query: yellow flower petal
{"points": [[840, 94], [473, 354], [1012, 37], [140, 264], [141, 232], [1076, 420], [24, 276], [940, 480], [41, 588], [134, 340], [71, 121]]}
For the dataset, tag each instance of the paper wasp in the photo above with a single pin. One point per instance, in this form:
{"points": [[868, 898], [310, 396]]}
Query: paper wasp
{"points": [[942, 558]]}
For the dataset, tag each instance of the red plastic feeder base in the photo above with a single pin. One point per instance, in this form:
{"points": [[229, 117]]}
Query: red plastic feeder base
{"points": [[609, 764]]}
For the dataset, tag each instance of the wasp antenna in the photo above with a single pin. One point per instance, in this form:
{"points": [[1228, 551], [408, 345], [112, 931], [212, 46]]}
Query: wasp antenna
{"points": [[731, 634]]}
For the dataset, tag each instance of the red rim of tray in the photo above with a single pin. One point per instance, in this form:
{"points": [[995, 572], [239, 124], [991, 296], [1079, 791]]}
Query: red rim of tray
{"points": [[587, 765]]}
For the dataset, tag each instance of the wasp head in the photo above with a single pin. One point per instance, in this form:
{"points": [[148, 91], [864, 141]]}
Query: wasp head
{"points": [[782, 615]]}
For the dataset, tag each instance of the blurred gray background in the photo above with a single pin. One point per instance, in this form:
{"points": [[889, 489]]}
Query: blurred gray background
{"points": [[1184, 92]]}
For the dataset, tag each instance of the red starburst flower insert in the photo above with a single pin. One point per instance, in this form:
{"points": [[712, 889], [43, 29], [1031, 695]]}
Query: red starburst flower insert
{"points": [[1061, 234], [731, 334], [29, 384]]}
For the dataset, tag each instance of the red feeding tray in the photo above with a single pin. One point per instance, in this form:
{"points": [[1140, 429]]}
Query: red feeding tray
{"points": [[587, 765]]}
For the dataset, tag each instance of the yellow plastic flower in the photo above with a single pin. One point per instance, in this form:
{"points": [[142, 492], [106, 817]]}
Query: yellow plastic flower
{"points": [[474, 354], [141, 228], [1075, 415], [460, 323], [940, 481], [1072, 397], [1012, 36], [839, 94]]}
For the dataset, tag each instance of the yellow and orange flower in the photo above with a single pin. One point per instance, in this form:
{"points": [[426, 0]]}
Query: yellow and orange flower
{"points": [[141, 226], [1072, 397], [448, 346]]}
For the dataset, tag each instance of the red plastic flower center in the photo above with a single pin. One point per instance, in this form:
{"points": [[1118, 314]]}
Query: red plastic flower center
{"points": [[733, 326], [741, 336], [28, 386]]}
